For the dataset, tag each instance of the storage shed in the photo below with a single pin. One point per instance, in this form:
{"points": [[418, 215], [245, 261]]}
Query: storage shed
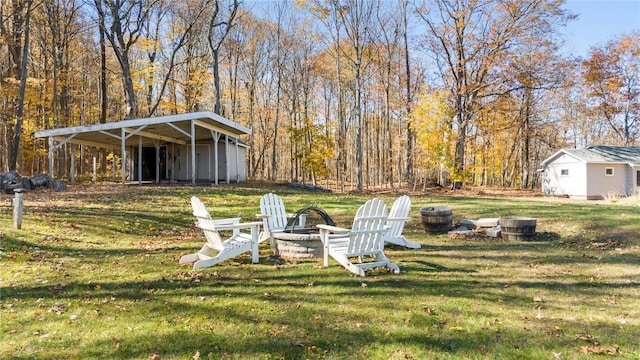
{"points": [[592, 173], [201, 146]]}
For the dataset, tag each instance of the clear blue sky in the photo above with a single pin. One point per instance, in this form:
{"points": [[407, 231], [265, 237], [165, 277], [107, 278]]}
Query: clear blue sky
{"points": [[598, 22]]}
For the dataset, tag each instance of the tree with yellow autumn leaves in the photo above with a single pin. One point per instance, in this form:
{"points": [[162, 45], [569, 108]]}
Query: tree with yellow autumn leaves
{"points": [[365, 93]]}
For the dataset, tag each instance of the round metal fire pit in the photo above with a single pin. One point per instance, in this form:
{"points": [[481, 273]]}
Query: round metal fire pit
{"points": [[299, 244]]}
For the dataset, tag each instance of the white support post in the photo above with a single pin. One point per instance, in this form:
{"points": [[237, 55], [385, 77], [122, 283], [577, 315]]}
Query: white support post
{"points": [[209, 163], [156, 143], [226, 157], [216, 138], [237, 165], [72, 169], [139, 160], [123, 159], [18, 202], [173, 164], [193, 152], [51, 150]]}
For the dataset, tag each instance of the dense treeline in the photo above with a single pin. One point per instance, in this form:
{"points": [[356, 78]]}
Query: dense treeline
{"points": [[358, 92]]}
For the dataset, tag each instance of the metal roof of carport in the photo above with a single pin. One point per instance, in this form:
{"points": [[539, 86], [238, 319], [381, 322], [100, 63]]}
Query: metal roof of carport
{"points": [[171, 128], [181, 129]]}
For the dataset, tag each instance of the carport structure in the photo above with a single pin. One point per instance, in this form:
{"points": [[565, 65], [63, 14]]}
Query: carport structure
{"points": [[207, 140]]}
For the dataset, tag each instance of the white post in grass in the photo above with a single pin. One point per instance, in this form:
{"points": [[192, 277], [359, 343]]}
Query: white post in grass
{"points": [[17, 208]]}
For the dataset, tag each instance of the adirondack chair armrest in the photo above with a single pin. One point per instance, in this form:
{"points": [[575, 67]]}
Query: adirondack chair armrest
{"points": [[227, 221], [246, 225], [332, 229], [238, 226], [399, 219], [262, 216]]}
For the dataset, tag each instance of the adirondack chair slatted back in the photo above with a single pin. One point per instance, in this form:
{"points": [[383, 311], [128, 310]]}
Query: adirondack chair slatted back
{"points": [[368, 228], [399, 209], [207, 224], [273, 206]]}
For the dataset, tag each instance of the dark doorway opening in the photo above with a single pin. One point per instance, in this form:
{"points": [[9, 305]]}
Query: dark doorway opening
{"points": [[149, 164]]}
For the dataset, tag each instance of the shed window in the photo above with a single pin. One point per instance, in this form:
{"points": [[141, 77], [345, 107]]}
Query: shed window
{"points": [[608, 171], [638, 178], [564, 172]]}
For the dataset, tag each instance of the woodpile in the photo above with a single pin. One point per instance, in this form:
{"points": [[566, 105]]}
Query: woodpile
{"points": [[12, 180]]}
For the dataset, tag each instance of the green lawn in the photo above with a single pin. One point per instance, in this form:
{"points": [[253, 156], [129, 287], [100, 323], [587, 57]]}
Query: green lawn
{"points": [[94, 274]]}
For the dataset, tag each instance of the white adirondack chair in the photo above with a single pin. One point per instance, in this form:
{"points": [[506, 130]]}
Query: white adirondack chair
{"points": [[398, 216], [362, 242], [274, 217], [215, 250]]}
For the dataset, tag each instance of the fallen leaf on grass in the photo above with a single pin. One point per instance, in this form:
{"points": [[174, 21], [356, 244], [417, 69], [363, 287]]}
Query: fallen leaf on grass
{"points": [[429, 310], [599, 350], [587, 338]]}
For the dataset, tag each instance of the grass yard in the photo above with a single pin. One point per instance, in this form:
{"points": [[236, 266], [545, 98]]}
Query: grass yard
{"points": [[94, 274]]}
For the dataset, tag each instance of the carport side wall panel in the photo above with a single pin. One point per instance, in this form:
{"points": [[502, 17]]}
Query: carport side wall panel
{"points": [[236, 165], [180, 161]]}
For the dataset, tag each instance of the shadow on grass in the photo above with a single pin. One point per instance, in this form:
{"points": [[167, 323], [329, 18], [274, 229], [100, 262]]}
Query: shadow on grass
{"points": [[281, 309], [285, 321]]}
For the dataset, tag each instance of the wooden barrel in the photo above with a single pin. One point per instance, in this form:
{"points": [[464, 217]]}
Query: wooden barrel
{"points": [[518, 228], [436, 219]]}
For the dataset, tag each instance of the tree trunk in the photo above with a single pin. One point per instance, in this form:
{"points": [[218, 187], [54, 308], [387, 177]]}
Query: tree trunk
{"points": [[103, 90], [410, 136], [216, 79], [13, 159]]}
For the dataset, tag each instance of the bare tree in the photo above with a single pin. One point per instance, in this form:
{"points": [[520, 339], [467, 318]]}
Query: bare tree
{"points": [[409, 93], [280, 58], [258, 41], [23, 18], [469, 40], [612, 79], [123, 22], [189, 16], [220, 23]]}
